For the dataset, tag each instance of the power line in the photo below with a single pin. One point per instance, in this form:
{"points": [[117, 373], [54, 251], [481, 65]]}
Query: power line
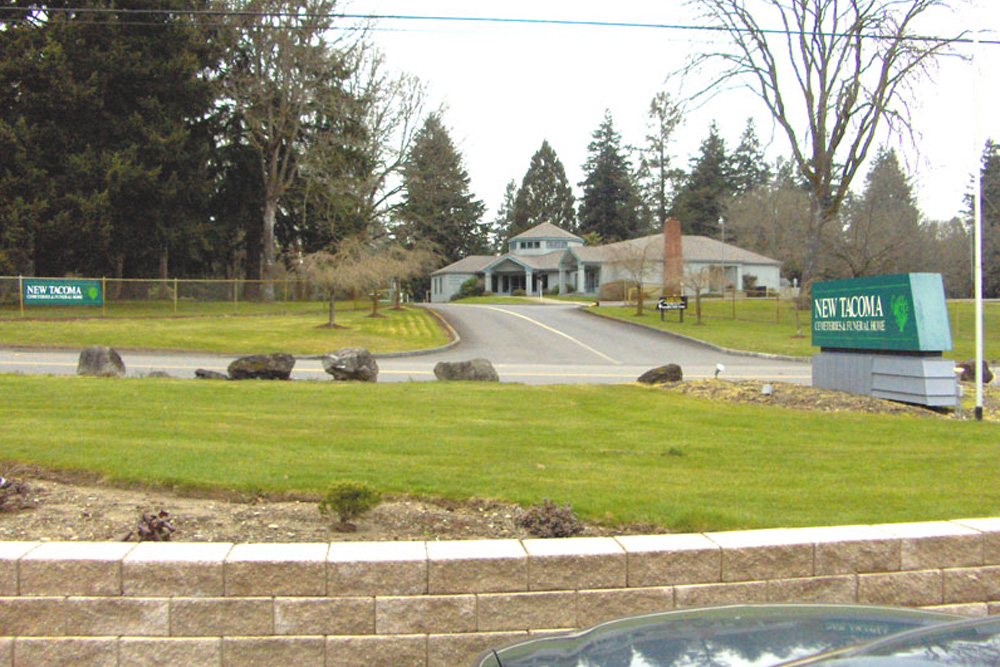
{"points": [[225, 13]]}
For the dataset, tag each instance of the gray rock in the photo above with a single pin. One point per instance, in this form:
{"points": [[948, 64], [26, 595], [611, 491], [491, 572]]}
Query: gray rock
{"points": [[969, 372], [262, 367], [100, 361], [351, 363], [475, 370], [203, 374], [662, 374]]}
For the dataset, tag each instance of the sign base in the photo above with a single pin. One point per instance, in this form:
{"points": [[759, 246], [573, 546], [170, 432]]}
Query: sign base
{"points": [[920, 380]]}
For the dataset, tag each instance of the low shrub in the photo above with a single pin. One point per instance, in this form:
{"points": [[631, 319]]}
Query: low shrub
{"points": [[13, 494], [547, 519], [154, 527], [349, 500]]}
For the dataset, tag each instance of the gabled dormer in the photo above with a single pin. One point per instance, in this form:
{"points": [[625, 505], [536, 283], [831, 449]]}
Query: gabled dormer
{"points": [[543, 239]]}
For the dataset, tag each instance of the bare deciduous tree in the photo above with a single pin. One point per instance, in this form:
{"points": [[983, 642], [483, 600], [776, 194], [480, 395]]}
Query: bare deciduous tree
{"points": [[832, 73], [640, 260], [352, 268], [284, 78]]}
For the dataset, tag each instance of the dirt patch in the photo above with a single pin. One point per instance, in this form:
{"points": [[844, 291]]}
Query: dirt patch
{"points": [[61, 506]]}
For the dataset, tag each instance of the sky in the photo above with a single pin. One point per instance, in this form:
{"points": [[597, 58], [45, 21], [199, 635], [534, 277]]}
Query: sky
{"points": [[506, 87]]}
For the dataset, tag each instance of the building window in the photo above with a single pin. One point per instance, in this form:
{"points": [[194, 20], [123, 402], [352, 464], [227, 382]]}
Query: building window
{"points": [[558, 244], [529, 245]]}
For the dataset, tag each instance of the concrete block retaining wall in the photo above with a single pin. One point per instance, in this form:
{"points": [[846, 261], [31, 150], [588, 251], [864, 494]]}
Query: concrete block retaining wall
{"points": [[433, 604]]}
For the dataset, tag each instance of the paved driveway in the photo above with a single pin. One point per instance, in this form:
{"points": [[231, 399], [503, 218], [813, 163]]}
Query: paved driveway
{"points": [[529, 344]]}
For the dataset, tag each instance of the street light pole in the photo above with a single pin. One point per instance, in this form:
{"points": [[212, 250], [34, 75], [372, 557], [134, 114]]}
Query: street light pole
{"points": [[978, 212]]}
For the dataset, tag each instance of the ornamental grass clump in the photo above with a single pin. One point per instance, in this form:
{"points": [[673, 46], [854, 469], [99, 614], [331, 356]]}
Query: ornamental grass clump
{"points": [[348, 500], [547, 519]]}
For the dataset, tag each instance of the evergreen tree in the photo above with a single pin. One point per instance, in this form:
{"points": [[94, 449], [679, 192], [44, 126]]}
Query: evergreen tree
{"points": [[437, 205], [664, 117], [500, 227], [610, 204], [105, 152], [700, 203], [747, 167], [882, 231], [991, 219], [545, 195]]}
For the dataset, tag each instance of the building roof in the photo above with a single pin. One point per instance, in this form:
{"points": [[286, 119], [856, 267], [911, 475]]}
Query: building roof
{"points": [[546, 230], [696, 249]]}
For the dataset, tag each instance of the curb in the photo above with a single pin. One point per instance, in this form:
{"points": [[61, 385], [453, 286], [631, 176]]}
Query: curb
{"points": [[711, 346]]}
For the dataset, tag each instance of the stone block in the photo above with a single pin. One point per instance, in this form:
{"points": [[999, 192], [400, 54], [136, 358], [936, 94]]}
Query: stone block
{"points": [[476, 566], [971, 584], [276, 569], [433, 614], [575, 563], [523, 611], [6, 652], [324, 616], [73, 568], [837, 589], [936, 544], [398, 651], [209, 617], [903, 589], [664, 560], [10, 553], [254, 651], [145, 617], [854, 549], [704, 595], [990, 530], [32, 616], [595, 607], [451, 650], [377, 568], [752, 555], [175, 569], [972, 610], [152, 652], [77, 651]]}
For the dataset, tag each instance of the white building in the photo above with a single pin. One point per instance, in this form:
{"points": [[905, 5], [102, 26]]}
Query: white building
{"points": [[548, 258]]}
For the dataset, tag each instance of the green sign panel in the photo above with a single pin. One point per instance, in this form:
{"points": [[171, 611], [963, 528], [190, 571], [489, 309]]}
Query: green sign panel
{"points": [[62, 292], [904, 312]]}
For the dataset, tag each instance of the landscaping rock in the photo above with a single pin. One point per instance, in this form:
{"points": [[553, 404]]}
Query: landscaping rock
{"points": [[203, 374], [474, 370], [100, 361], [351, 363], [662, 374], [262, 367], [969, 372]]}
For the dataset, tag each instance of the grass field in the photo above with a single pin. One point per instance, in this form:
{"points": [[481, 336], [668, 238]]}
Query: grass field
{"points": [[296, 331], [767, 325], [618, 454]]}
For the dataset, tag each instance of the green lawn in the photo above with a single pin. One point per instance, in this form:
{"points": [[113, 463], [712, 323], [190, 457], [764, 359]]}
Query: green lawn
{"points": [[301, 333], [618, 454], [767, 325]]}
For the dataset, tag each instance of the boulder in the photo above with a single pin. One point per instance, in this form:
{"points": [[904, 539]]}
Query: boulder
{"points": [[351, 363], [662, 374], [203, 374], [262, 367], [969, 372], [474, 370], [100, 361]]}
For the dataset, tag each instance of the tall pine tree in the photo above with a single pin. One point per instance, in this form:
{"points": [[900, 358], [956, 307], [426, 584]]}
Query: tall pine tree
{"points": [[990, 171], [610, 204], [544, 195], [700, 203], [437, 205]]}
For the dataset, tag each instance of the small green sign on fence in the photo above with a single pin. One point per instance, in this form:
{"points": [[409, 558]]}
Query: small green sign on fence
{"points": [[61, 292]]}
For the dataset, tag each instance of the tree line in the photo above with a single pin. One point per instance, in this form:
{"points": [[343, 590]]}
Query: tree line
{"points": [[236, 138]]}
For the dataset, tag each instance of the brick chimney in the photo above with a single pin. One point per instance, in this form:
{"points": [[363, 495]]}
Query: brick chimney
{"points": [[673, 258]]}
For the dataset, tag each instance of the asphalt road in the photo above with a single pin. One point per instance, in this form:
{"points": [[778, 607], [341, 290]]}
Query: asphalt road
{"points": [[553, 344]]}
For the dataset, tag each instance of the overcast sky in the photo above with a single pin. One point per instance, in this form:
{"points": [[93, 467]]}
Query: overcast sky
{"points": [[509, 86]]}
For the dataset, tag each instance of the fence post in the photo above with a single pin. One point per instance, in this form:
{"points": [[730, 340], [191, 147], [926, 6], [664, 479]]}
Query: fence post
{"points": [[104, 296], [20, 293], [236, 285], [175, 296]]}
